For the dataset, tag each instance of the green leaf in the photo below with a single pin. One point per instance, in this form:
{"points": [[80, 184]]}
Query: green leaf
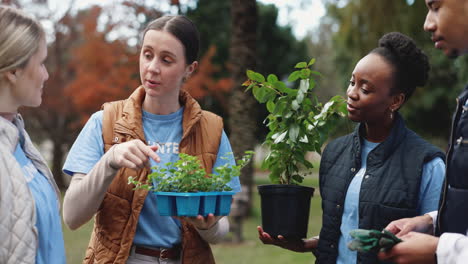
{"points": [[328, 105], [274, 178], [249, 87], [343, 109], [270, 106], [318, 148], [294, 76], [301, 65], [307, 103], [339, 100], [255, 76], [280, 108], [300, 97], [294, 132], [311, 84], [260, 94], [280, 137], [295, 105], [270, 94], [316, 73], [299, 157], [298, 178], [264, 165], [304, 139], [280, 86], [304, 85], [305, 73], [291, 92], [311, 62], [272, 78], [308, 164], [250, 74]]}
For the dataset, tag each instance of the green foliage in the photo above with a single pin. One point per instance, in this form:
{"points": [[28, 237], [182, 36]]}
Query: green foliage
{"points": [[188, 175], [297, 122], [213, 16]]}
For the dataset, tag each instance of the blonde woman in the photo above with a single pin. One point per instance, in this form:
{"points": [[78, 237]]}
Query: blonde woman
{"points": [[30, 227]]}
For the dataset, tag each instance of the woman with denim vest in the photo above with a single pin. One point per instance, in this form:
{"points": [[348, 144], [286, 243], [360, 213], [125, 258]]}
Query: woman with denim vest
{"points": [[152, 126], [382, 171], [30, 226]]}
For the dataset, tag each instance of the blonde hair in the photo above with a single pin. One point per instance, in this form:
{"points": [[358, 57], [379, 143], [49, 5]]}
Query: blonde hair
{"points": [[20, 36]]}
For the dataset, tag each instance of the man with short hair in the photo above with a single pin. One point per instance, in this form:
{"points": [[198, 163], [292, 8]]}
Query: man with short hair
{"points": [[445, 239]]}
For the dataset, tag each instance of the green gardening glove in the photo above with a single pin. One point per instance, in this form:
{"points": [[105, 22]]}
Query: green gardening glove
{"points": [[372, 240]]}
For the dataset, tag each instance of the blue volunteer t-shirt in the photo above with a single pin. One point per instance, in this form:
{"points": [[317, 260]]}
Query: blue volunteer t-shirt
{"points": [[152, 230], [429, 193], [51, 246]]}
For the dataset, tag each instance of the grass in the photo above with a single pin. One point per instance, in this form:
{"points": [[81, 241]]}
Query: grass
{"points": [[251, 251], [76, 242]]}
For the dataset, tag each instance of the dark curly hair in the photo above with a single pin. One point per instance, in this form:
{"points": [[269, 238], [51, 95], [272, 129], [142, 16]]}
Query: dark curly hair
{"points": [[410, 63]]}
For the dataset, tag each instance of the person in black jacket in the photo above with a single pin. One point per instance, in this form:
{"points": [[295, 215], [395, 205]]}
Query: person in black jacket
{"points": [[382, 171], [447, 21]]}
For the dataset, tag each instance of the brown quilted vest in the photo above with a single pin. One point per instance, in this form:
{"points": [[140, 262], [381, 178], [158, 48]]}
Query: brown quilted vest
{"points": [[117, 217]]}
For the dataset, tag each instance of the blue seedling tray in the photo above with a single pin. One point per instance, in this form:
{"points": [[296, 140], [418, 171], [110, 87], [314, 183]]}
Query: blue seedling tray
{"points": [[193, 204], [223, 204]]}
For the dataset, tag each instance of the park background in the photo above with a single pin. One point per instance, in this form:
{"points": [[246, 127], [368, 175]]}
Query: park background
{"points": [[93, 58]]}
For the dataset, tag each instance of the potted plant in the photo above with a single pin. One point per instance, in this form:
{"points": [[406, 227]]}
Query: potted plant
{"points": [[182, 188], [298, 123]]}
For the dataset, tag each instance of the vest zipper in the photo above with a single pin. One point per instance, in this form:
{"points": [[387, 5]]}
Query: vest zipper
{"points": [[461, 141], [449, 152]]}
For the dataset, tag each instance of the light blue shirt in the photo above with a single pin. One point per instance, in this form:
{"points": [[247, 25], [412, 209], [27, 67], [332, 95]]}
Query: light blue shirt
{"points": [[152, 230], [51, 246], [429, 194]]}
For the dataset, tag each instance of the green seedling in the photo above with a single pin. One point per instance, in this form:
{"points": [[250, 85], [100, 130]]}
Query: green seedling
{"points": [[188, 175]]}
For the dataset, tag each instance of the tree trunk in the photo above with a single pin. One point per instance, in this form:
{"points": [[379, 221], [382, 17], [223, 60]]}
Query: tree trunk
{"points": [[57, 163], [242, 115]]}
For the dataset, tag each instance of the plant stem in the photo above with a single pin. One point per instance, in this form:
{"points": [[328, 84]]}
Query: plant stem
{"points": [[269, 86], [288, 172]]}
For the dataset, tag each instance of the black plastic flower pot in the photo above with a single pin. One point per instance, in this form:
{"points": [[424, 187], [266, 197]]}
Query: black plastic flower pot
{"points": [[285, 210]]}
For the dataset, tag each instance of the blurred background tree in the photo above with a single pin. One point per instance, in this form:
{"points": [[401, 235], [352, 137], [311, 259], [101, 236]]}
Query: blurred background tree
{"points": [[242, 123]]}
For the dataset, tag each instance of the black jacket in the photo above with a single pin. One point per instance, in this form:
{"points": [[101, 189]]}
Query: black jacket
{"points": [[453, 211], [389, 190]]}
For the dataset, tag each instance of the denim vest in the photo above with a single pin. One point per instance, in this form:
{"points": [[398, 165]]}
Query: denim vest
{"points": [[390, 188], [453, 210]]}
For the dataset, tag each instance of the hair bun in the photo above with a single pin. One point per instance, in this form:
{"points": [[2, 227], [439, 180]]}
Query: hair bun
{"points": [[411, 61]]}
